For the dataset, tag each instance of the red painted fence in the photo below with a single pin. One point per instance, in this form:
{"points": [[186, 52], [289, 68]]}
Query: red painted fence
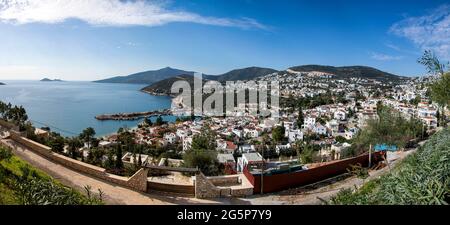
{"points": [[279, 182]]}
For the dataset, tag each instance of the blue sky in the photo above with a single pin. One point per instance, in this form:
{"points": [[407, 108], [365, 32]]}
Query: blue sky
{"points": [[94, 39]]}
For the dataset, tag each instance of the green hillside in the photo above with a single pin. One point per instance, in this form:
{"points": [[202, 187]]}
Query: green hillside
{"points": [[421, 179], [349, 71]]}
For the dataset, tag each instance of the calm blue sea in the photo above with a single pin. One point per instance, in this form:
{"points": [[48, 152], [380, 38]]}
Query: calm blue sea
{"points": [[70, 107]]}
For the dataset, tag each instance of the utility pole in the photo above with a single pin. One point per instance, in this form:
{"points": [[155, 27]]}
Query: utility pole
{"points": [[262, 173], [370, 156]]}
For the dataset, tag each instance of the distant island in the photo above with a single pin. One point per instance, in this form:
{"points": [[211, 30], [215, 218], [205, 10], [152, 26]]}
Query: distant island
{"points": [[47, 79], [2, 83]]}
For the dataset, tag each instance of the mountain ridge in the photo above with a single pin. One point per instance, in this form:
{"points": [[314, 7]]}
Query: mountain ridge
{"points": [[349, 71], [163, 87], [152, 76]]}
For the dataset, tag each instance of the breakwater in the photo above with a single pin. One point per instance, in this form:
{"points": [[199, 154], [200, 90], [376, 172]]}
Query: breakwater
{"points": [[134, 115]]}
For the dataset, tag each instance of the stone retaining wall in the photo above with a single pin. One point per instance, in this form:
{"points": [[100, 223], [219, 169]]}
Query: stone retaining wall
{"points": [[172, 188], [7, 124], [205, 189], [224, 180], [137, 182]]}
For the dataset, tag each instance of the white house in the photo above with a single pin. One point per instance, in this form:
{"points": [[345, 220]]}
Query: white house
{"points": [[170, 138], [340, 115], [320, 129], [238, 132], [187, 142], [247, 148], [278, 148], [309, 121], [249, 159], [351, 133], [252, 133], [295, 135]]}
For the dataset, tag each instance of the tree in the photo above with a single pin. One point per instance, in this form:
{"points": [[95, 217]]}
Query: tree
{"points": [[57, 143], [87, 135], [203, 154], [306, 154], [300, 118], [159, 121], [206, 161], [119, 155], [391, 129], [278, 133], [74, 144], [440, 91], [341, 139], [148, 121], [432, 63]]}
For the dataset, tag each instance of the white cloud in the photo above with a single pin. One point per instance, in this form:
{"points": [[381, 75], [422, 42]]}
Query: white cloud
{"points": [[109, 13], [431, 31], [384, 57]]}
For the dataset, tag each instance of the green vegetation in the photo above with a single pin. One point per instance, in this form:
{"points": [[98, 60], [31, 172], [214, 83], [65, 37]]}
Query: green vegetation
{"points": [[202, 154], [312, 102], [13, 114], [278, 133], [21, 184], [440, 91], [421, 179], [300, 118], [391, 128]]}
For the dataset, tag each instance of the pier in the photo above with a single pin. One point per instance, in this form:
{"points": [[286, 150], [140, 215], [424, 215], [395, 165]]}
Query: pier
{"points": [[134, 115]]}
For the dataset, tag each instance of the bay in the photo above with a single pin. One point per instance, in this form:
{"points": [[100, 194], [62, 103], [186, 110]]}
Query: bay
{"points": [[70, 107]]}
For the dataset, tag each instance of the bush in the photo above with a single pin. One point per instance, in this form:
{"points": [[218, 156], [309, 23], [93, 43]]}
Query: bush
{"points": [[421, 179]]}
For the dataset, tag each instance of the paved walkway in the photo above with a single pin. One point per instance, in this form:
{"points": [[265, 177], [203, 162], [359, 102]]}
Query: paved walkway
{"points": [[113, 194]]}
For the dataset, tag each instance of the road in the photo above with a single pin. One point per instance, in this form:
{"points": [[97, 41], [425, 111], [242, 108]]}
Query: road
{"points": [[113, 194]]}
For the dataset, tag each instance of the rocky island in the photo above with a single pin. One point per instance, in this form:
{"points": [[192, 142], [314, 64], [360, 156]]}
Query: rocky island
{"points": [[47, 80]]}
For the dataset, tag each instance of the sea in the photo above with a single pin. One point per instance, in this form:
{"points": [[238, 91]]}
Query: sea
{"points": [[69, 107]]}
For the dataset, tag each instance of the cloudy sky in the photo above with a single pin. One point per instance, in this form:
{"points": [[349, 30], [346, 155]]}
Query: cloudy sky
{"points": [[94, 39]]}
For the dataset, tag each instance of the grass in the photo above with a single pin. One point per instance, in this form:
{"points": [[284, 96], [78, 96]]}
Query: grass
{"points": [[421, 179], [20, 183]]}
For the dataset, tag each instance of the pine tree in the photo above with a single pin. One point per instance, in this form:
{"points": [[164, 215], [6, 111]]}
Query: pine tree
{"points": [[300, 118], [119, 155]]}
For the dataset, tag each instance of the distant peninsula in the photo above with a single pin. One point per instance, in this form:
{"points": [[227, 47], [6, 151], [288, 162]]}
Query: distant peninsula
{"points": [[47, 79]]}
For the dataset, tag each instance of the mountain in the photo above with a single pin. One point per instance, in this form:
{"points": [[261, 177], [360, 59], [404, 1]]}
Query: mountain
{"points": [[46, 80], [249, 73], [147, 77], [150, 77], [349, 71], [164, 87]]}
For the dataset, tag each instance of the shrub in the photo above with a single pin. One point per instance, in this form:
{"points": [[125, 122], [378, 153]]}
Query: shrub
{"points": [[421, 179]]}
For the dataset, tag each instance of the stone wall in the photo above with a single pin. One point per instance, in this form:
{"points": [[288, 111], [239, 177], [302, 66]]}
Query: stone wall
{"points": [[137, 182], [204, 188], [224, 180], [172, 188], [7, 124]]}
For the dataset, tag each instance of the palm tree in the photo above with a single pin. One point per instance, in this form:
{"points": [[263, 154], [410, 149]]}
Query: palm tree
{"points": [[87, 135], [74, 143]]}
